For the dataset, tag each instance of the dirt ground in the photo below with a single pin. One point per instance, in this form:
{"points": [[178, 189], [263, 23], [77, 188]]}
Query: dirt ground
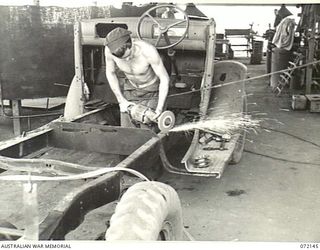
{"points": [[271, 195]]}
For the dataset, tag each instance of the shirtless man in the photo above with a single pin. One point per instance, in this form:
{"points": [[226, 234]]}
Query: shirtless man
{"points": [[146, 79]]}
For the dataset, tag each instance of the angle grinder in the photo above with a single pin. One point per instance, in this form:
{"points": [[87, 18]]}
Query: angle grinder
{"points": [[145, 114]]}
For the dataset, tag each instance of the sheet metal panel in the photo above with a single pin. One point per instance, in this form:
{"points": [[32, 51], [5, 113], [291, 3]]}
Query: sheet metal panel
{"points": [[36, 49]]}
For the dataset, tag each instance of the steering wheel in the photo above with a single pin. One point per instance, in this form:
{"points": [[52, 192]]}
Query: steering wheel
{"points": [[163, 27]]}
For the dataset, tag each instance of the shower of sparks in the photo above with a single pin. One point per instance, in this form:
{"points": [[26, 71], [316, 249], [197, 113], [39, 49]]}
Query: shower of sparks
{"points": [[222, 124]]}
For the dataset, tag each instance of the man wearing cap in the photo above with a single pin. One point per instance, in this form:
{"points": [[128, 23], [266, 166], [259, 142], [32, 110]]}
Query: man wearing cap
{"points": [[284, 36], [146, 80]]}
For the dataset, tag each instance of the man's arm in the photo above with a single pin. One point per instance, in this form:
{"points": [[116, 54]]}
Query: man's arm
{"points": [[156, 63], [114, 81]]}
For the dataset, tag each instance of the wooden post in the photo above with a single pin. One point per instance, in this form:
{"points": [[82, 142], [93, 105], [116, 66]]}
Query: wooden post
{"points": [[78, 54], [310, 59], [16, 107], [92, 65], [310, 53]]}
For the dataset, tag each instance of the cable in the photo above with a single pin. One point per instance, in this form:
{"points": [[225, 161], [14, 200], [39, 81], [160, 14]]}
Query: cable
{"points": [[281, 159], [294, 136], [238, 81], [87, 175]]}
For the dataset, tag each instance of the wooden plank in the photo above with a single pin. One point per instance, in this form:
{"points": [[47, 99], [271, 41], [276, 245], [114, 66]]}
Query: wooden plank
{"points": [[235, 32], [16, 108], [310, 56]]}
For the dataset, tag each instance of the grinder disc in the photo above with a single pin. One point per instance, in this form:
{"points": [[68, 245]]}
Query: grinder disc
{"points": [[166, 121]]}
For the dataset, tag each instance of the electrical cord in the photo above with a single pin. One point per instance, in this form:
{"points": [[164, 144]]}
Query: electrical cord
{"points": [[294, 136], [281, 159]]}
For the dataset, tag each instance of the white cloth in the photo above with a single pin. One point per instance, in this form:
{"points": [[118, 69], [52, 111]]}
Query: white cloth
{"points": [[283, 38]]}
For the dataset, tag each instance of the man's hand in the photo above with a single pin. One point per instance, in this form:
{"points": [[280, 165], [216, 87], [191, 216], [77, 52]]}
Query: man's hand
{"points": [[158, 112], [124, 106]]}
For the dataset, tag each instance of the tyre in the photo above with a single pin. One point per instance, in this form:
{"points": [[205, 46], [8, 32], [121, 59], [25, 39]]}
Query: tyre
{"points": [[147, 211]]}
